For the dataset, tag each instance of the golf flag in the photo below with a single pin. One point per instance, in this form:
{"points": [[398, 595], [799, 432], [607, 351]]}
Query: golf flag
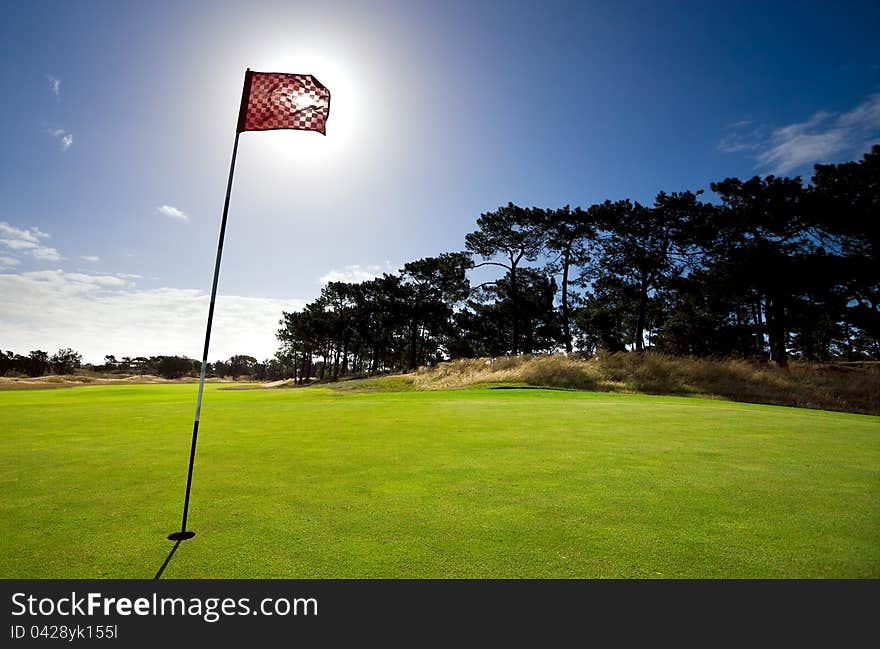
{"points": [[269, 100], [275, 100]]}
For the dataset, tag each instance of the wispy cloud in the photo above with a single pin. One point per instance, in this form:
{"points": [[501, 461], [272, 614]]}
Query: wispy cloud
{"points": [[355, 273], [54, 84], [173, 212], [66, 137], [824, 137], [91, 258], [8, 262], [736, 142], [32, 235], [46, 254], [27, 241], [100, 314]]}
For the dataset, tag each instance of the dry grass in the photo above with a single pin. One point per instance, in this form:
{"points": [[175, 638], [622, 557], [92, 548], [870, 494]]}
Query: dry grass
{"points": [[847, 388], [807, 385], [86, 378]]}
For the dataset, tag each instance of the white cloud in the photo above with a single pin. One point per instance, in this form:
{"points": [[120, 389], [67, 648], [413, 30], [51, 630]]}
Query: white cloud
{"points": [[66, 138], [866, 114], [54, 84], [8, 262], [736, 142], [355, 273], [28, 234], [91, 258], [78, 281], [27, 240], [18, 244], [105, 314], [797, 145], [173, 212], [825, 137], [46, 254]]}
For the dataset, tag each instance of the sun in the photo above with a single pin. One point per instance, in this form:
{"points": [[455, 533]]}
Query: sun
{"points": [[348, 153], [348, 105], [303, 101]]}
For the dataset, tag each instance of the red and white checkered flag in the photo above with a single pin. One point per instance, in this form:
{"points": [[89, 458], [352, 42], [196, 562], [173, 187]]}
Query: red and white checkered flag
{"points": [[274, 100]]}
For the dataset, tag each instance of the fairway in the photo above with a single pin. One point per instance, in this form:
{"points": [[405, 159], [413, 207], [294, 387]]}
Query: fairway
{"points": [[316, 483]]}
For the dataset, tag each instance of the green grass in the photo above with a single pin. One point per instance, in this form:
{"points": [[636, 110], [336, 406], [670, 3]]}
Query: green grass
{"points": [[318, 483]]}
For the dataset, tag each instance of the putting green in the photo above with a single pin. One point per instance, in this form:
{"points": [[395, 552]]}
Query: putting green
{"points": [[313, 483]]}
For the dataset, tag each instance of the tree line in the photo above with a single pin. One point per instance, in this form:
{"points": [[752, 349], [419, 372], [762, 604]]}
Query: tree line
{"points": [[67, 361], [39, 363], [773, 269]]}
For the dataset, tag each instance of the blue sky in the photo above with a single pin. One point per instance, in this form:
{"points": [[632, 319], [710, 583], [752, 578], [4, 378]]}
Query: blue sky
{"points": [[118, 121]]}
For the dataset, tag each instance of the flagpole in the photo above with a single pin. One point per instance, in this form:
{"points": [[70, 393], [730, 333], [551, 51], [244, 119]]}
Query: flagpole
{"points": [[313, 119], [183, 534]]}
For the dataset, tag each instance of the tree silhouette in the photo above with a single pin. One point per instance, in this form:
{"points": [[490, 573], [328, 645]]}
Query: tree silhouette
{"points": [[514, 234]]}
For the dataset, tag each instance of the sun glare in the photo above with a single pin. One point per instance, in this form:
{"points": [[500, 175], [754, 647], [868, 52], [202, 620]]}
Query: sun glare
{"points": [[347, 108], [352, 153], [303, 101]]}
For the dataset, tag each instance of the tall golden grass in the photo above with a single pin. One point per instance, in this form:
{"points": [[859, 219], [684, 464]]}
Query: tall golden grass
{"points": [[85, 377], [825, 386]]}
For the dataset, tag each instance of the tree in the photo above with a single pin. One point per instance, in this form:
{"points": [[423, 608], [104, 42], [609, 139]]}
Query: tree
{"points": [[140, 365], [644, 247], [705, 316], [306, 334], [568, 233], [241, 365], [7, 363], [845, 203], [220, 369], [172, 367], [774, 265], [385, 301], [486, 331], [515, 234], [756, 232], [601, 319], [65, 361], [391, 322], [437, 285], [37, 363], [285, 361]]}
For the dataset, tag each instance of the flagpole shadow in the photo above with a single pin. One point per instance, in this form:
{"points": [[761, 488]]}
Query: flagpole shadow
{"points": [[167, 560]]}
